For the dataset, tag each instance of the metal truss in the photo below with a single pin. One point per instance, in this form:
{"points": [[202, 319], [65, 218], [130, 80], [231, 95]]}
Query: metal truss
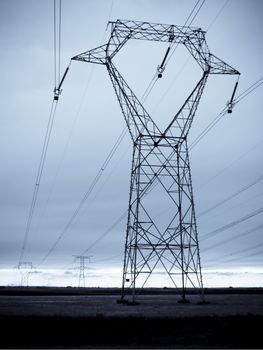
{"points": [[25, 268], [160, 174], [82, 268]]}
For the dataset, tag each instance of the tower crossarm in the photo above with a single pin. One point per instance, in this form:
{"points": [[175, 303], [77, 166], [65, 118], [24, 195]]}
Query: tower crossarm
{"points": [[153, 31], [97, 55], [199, 50], [102, 54], [192, 38], [218, 66]]}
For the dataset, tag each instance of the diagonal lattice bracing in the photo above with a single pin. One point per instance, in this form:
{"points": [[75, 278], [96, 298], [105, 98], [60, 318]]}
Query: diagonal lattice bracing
{"points": [[170, 242], [161, 230]]}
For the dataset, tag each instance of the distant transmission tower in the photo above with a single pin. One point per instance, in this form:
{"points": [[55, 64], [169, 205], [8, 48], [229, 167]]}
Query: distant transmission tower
{"points": [[160, 164], [82, 268], [25, 268]]}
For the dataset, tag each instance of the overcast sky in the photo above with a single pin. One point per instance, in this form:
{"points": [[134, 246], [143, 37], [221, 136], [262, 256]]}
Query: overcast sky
{"points": [[88, 122]]}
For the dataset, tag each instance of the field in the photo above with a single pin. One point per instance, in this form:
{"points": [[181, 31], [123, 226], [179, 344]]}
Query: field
{"points": [[91, 318]]}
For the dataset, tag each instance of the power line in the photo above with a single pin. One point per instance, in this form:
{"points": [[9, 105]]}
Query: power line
{"points": [[198, 10], [239, 235], [69, 137], [105, 233], [231, 224], [57, 40], [236, 253], [49, 126], [57, 92], [217, 15], [87, 193], [109, 258], [231, 196], [208, 128], [230, 165], [111, 10], [224, 111], [120, 218], [39, 176], [249, 90]]}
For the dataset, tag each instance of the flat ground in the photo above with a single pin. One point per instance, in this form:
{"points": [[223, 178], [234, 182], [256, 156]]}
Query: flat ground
{"points": [[88, 318], [150, 306]]}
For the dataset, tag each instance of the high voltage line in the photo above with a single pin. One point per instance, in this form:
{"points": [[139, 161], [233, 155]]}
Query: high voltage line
{"points": [[57, 49], [224, 111], [38, 177], [237, 255], [217, 15], [57, 90], [232, 238], [86, 195], [57, 40], [106, 232], [231, 224], [79, 108], [233, 195]]}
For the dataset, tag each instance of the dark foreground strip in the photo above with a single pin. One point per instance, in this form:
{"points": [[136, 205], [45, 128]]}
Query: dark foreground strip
{"points": [[135, 332], [30, 291]]}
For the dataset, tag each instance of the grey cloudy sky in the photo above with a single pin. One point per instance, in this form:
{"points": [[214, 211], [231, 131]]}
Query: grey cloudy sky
{"points": [[89, 120]]}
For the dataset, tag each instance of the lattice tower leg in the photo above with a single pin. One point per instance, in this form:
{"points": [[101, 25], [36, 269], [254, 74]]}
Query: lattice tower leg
{"points": [[161, 171]]}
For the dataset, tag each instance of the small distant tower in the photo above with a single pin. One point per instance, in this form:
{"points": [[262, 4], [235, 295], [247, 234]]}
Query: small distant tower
{"points": [[24, 268], [82, 268]]}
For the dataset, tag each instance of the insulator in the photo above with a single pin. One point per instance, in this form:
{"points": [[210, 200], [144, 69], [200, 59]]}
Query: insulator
{"points": [[165, 56], [64, 76]]}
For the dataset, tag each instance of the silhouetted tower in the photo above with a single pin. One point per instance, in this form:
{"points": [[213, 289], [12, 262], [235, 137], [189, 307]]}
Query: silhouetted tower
{"points": [[25, 268], [82, 268], [160, 164]]}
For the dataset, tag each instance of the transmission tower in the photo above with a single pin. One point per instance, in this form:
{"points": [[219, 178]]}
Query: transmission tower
{"points": [[82, 268], [24, 268], [160, 163]]}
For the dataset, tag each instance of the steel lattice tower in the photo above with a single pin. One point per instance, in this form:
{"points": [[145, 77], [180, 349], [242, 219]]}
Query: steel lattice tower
{"points": [[25, 268], [160, 163], [82, 268]]}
